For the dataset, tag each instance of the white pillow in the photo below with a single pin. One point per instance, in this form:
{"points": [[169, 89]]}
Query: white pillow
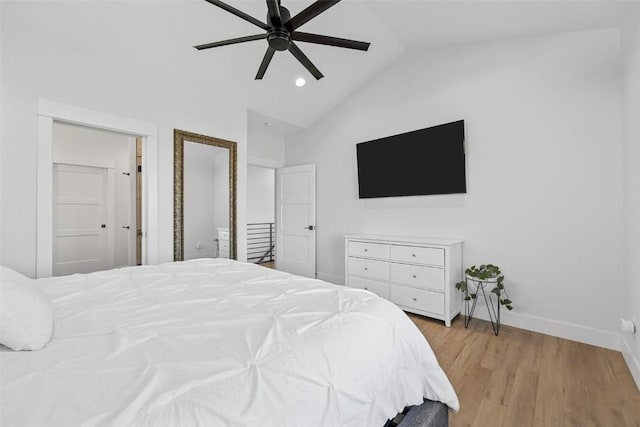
{"points": [[26, 316]]}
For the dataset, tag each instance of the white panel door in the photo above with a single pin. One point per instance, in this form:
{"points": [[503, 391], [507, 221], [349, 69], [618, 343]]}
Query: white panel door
{"points": [[79, 219], [296, 219]]}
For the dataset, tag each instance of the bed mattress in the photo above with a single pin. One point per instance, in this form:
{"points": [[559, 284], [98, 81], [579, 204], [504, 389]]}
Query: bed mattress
{"points": [[216, 342]]}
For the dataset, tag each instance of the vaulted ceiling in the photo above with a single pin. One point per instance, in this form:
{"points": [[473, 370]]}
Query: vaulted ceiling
{"points": [[160, 36]]}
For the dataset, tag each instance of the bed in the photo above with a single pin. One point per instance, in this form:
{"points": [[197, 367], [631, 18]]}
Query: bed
{"points": [[215, 342]]}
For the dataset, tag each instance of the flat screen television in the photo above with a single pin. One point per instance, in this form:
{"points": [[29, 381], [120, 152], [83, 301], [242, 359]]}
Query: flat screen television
{"points": [[422, 162]]}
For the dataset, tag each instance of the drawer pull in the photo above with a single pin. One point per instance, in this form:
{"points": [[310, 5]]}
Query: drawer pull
{"points": [[415, 277], [415, 299], [366, 250], [365, 269], [366, 289], [413, 255]]}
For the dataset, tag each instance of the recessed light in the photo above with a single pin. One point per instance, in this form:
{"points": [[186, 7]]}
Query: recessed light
{"points": [[300, 82]]}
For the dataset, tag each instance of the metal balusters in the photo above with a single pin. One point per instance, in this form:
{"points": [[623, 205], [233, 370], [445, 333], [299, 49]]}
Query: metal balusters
{"points": [[261, 242]]}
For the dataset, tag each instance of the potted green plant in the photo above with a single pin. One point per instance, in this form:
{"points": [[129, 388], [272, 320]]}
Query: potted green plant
{"points": [[487, 274]]}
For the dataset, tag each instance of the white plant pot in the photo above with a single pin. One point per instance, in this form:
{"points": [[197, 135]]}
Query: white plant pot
{"points": [[489, 280], [477, 283]]}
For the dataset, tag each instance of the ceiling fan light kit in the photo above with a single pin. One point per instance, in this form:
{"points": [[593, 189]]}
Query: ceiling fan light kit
{"points": [[281, 33]]}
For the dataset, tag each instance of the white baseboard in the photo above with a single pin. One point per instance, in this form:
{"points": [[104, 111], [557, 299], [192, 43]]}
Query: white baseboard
{"points": [[633, 361], [331, 278], [569, 331]]}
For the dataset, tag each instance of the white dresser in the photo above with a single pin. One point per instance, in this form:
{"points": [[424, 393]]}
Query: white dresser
{"points": [[417, 274], [223, 242]]}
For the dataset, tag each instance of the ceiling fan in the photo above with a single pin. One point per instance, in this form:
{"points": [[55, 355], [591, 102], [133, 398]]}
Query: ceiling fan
{"points": [[282, 33]]}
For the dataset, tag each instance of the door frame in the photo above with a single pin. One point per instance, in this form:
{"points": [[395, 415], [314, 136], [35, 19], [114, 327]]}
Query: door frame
{"points": [[132, 242], [49, 112]]}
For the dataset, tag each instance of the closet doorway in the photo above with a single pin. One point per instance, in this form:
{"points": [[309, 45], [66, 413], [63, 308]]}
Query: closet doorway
{"points": [[96, 203], [50, 112]]}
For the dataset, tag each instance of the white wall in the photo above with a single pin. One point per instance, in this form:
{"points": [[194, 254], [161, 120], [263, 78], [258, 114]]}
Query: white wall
{"points": [[544, 152], [83, 145], [266, 152], [261, 194], [34, 68], [80, 145], [631, 76], [265, 145]]}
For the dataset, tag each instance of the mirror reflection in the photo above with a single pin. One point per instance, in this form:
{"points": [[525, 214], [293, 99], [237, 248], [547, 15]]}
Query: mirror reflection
{"points": [[204, 189], [206, 201]]}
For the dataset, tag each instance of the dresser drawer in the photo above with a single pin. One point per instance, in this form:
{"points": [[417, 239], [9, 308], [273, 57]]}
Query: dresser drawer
{"points": [[431, 256], [372, 250], [379, 288], [415, 275], [378, 270], [420, 299]]}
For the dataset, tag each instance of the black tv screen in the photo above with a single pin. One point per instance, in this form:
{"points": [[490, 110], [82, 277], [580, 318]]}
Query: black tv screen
{"points": [[422, 162]]}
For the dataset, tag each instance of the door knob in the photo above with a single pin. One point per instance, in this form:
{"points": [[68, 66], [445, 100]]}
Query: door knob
{"points": [[103, 225], [126, 226], [309, 227]]}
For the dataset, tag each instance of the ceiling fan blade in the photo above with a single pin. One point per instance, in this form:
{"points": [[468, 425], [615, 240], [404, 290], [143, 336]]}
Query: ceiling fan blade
{"points": [[265, 63], [231, 41], [295, 51], [274, 12], [239, 13], [329, 41], [309, 13]]}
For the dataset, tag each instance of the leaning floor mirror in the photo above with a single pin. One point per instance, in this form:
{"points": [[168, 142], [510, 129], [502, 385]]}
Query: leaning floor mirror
{"points": [[204, 189]]}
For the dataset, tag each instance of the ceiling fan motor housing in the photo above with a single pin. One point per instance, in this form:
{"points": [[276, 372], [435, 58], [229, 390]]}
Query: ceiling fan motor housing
{"points": [[279, 37]]}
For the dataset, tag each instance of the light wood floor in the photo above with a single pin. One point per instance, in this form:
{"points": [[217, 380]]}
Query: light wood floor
{"points": [[268, 264], [522, 378]]}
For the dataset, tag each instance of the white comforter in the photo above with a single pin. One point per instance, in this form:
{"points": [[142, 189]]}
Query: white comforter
{"points": [[218, 343]]}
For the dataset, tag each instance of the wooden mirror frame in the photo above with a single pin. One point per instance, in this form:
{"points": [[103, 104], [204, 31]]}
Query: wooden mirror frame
{"points": [[179, 138]]}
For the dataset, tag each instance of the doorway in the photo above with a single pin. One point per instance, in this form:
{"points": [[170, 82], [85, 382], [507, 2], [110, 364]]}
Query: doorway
{"points": [[50, 112], [95, 209], [261, 213]]}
